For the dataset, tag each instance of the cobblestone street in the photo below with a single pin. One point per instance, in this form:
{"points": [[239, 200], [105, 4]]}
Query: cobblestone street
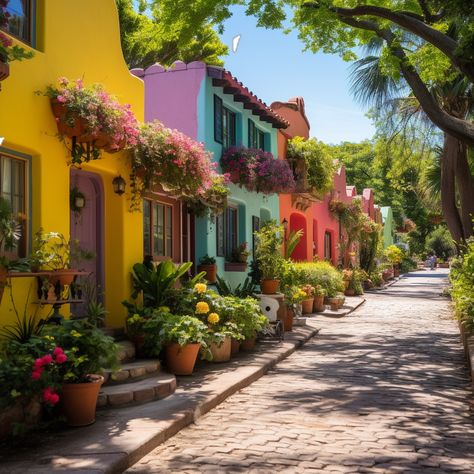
{"points": [[382, 390]]}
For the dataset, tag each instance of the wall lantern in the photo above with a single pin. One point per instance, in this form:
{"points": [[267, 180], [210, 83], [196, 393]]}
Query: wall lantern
{"points": [[119, 185]]}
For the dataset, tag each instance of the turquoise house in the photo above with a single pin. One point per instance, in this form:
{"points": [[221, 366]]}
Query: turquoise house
{"points": [[209, 105], [388, 226]]}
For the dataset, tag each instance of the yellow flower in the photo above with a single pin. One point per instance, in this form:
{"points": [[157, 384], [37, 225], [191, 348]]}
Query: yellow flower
{"points": [[74, 333], [200, 287], [164, 309], [213, 318], [202, 308]]}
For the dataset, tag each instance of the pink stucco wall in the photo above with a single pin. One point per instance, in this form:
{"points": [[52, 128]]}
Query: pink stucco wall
{"points": [[175, 110]]}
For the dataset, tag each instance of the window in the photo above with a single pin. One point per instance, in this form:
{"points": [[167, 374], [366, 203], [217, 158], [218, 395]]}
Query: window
{"points": [[256, 137], [13, 190], [328, 245], [20, 21], [157, 229], [227, 232], [224, 124]]}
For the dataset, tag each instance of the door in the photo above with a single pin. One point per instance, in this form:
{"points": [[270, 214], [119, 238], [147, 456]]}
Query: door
{"points": [[87, 227]]}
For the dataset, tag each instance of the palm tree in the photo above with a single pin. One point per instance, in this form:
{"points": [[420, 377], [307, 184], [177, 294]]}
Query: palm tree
{"points": [[371, 86]]}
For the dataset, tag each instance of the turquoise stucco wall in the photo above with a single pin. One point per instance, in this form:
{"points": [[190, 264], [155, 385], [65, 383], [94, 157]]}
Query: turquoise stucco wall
{"points": [[249, 203]]}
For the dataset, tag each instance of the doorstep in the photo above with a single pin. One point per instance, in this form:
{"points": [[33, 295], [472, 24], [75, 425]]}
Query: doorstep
{"points": [[120, 437]]}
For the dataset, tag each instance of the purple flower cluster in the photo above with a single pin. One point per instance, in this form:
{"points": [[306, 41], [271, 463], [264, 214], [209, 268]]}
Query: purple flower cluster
{"points": [[257, 170]]}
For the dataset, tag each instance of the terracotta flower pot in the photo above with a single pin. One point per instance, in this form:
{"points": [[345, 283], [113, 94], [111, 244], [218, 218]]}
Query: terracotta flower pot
{"points": [[79, 400], [307, 305], [248, 344], [139, 341], [349, 292], [290, 314], [269, 287], [180, 360], [318, 304], [26, 411], [334, 303], [235, 346], [77, 130], [64, 277], [211, 272], [221, 353]]}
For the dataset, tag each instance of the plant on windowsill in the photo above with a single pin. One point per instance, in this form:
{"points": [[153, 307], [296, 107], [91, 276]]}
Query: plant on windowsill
{"points": [[208, 264], [92, 119], [268, 254], [8, 51], [238, 259]]}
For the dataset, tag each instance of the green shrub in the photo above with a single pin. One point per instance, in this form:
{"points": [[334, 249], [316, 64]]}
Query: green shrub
{"points": [[462, 278], [316, 273], [441, 243]]}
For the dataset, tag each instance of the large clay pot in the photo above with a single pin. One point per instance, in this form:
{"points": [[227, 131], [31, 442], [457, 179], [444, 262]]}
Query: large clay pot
{"points": [[234, 346], [349, 292], [221, 353], [180, 360], [269, 287], [307, 305], [79, 400], [290, 314], [318, 304], [211, 272], [248, 344]]}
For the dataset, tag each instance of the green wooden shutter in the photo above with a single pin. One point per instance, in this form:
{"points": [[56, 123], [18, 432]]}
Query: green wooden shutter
{"points": [[218, 132]]}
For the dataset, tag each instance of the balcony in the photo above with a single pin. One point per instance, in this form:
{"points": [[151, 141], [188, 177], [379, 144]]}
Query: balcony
{"points": [[303, 195]]}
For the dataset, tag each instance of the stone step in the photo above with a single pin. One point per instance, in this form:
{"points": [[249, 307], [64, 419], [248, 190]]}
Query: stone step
{"points": [[117, 332], [126, 351], [142, 391], [133, 371]]}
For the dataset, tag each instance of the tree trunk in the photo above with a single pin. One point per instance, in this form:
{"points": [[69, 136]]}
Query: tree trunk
{"points": [[448, 188], [465, 187]]}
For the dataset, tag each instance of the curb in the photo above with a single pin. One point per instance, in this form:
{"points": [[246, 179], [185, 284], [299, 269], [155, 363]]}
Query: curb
{"points": [[121, 437]]}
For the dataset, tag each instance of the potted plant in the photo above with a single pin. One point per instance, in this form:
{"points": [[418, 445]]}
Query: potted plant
{"points": [[238, 259], [59, 256], [81, 353], [135, 331], [182, 337], [208, 265], [394, 256], [10, 233], [293, 297], [307, 303], [89, 115], [319, 294], [269, 257]]}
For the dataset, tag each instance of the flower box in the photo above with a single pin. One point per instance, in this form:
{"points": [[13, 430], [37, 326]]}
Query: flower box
{"points": [[235, 267]]}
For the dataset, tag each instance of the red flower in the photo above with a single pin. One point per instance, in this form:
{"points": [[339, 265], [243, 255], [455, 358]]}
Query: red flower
{"points": [[50, 396], [38, 363], [57, 350], [47, 359], [36, 374], [61, 358]]}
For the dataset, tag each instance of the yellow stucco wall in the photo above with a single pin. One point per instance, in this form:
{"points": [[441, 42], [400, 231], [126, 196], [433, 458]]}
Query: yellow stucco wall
{"points": [[75, 39]]}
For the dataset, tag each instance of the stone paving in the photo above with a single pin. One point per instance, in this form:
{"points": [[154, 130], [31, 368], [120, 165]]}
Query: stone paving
{"points": [[382, 390]]}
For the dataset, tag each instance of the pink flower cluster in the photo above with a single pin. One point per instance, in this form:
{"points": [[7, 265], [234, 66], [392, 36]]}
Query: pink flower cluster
{"points": [[258, 170], [57, 357], [174, 160], [104, 116]]}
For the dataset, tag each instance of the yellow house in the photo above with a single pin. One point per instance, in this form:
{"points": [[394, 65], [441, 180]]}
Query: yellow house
{"points": [[73, 39]]}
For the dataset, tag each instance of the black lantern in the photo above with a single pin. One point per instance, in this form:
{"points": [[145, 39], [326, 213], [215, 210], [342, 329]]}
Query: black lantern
{"points": [[119, 185]]}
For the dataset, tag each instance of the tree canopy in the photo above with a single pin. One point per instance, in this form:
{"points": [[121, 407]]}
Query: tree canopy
{"points": [[163, 31]]}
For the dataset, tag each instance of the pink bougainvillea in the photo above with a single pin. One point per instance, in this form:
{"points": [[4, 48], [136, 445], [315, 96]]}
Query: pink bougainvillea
{"points": [[172, 159], [257, 170]]}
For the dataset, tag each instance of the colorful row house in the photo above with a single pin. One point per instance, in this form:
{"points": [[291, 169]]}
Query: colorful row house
{"points": [[35, 176], [211, 106]]}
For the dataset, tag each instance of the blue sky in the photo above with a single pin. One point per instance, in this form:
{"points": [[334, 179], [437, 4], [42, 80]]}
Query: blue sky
{"points": [[273, 66]]}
